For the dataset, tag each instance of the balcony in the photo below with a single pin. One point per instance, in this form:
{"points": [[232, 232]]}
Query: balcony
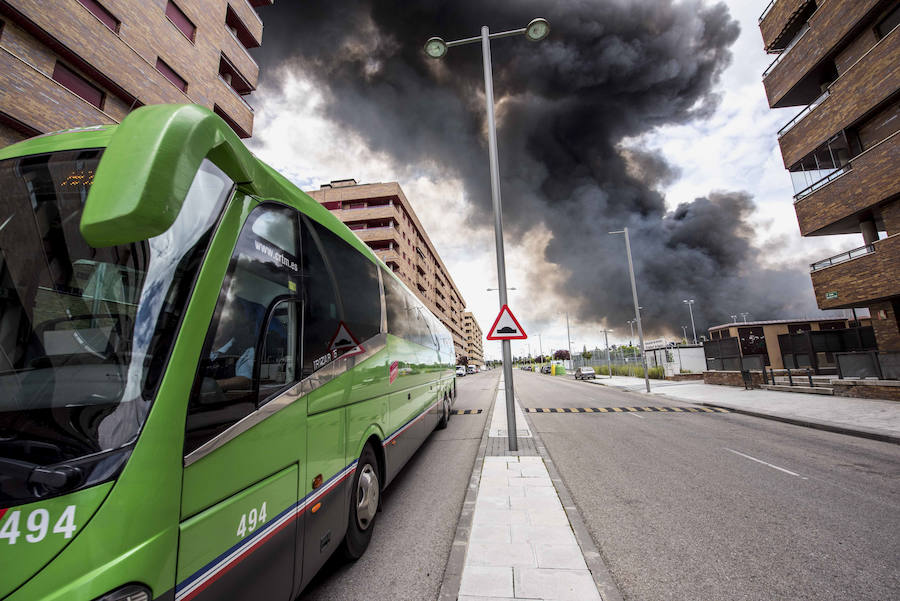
{"points": [[832, 205], [776, 19], [249, 17], [241, 61], [829, 25], [865, 85], [862, 279]]}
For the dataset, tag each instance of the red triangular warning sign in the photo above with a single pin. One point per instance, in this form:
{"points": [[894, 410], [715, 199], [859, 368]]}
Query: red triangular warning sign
{"points": [[343, 344], [506, 327]]}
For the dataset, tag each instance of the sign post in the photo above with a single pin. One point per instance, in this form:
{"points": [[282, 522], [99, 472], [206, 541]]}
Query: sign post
{"points": [[506, 327]]}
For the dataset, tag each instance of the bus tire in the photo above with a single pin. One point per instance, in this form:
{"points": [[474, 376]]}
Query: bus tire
{"points": [[364, 502], [445, 414]]}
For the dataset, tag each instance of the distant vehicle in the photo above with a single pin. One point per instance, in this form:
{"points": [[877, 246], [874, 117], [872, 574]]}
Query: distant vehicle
{"points": [[472, 369], [460, 370], [545, 369], [585, 373]]}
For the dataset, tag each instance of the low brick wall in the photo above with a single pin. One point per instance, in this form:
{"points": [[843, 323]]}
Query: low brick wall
{"points": [[683, 377], [888, 390], [731, 378]]}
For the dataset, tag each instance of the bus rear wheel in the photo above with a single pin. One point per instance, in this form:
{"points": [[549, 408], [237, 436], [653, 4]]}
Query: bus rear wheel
{"points": [[445, 414], [363, 505]]}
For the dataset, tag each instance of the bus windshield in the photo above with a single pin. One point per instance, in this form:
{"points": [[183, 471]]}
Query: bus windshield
{"points": [[85, 332]]}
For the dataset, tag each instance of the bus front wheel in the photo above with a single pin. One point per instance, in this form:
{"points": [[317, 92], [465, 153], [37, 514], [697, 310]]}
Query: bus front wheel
{"points": [[363, 505]]}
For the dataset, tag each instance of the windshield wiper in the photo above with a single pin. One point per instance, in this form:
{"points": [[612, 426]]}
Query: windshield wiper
{"points": [[53, 478]]}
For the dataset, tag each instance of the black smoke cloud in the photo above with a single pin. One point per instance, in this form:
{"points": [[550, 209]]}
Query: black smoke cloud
{"points": [[609, 72]]}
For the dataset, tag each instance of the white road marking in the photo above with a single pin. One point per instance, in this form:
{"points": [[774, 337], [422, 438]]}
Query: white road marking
{"points": [[636, 415], [780, 469]]}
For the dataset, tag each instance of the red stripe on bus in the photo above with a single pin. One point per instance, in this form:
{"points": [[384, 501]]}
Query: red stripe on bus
{"points": [[3, 513]]}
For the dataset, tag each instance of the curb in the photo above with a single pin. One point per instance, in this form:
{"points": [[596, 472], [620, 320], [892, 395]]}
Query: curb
{"points": [[806, 423], [858, 432], [452, 579]]}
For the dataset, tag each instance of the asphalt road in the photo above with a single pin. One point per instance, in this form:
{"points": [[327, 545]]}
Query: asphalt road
{"points": [[420, 509], [723, 506]]}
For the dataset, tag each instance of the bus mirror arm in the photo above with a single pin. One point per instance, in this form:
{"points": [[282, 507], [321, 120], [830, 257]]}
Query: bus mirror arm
{"points": [[142, 180]]}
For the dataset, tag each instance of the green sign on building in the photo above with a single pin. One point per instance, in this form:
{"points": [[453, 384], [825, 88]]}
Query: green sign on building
{"points": [[830, 295]]}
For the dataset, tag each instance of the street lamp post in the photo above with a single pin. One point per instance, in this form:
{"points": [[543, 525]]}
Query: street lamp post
{"points": [[690, 304], [436, 48], [637, 309], [569, 339], [541, 347], [608, 363], [684, 331]]}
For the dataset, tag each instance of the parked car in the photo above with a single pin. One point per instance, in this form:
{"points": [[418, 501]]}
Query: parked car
{"points": [[545, 369], [460, 370], [472, 369], [585, 373]]}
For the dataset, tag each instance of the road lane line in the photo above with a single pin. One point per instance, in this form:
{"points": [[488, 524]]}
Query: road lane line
{"points": [[780, 469], [636, 415]]}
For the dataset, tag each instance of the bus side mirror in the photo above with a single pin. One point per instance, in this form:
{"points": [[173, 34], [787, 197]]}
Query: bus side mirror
{"points": [[148, 167]]}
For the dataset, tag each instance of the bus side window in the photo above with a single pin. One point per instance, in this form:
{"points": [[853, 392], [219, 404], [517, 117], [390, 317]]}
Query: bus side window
{"points": [[264, 271], [398, 314], [322, 316], [343, 306]]}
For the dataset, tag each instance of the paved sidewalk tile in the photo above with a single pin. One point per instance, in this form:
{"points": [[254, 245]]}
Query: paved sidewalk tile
{"points": [[487, 581], [556, 585], [560, 556]]}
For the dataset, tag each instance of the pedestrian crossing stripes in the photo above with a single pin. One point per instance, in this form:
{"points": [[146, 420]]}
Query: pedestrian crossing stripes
{"points": [[625, 409], [466, 411]]}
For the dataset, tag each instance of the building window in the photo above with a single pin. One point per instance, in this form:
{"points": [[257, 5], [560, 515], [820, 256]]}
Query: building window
{"points": [[180, 20], [331, 206], [753, 341], [78, 84], [171, 75], [798, 328], [99, 11]]}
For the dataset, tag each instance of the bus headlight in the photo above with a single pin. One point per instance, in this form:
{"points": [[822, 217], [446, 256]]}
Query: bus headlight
{"points": [[130, 592]]}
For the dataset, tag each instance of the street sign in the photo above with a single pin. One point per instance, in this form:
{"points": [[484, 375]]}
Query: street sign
{"points": [[506, 327], [831, 295], [654, 343]]}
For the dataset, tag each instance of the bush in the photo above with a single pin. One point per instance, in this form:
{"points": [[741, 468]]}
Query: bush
{"points": [[655, 373]]}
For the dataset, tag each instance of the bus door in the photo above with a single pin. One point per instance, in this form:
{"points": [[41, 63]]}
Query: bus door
{"points": [[245, 437]]}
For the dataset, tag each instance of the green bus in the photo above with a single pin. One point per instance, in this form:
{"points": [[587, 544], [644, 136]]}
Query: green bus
{"points": [[207, 379]]}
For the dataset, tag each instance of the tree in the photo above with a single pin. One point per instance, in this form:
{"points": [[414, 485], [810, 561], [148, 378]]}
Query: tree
{"points": [[586, 353], [561, 354]]}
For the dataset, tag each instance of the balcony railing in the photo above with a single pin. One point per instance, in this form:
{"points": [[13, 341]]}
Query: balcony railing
{"points": [[787, 49], [809, 108], [843, 257], [768, 9], [833, 175]]}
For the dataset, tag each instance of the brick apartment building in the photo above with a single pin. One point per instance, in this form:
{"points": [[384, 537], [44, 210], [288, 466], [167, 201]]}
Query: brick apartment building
{"points": [[839, 60], [382, 217], [71, 63], [474, 339]]}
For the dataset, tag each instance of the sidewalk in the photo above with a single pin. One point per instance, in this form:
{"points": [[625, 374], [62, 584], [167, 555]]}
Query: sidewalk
{"points": [[523, 543], [869, 418]]}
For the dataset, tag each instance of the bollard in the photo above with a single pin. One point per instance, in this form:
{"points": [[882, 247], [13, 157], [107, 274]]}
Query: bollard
{"points": [[766, 377], [790, 379], [809, 375]]}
